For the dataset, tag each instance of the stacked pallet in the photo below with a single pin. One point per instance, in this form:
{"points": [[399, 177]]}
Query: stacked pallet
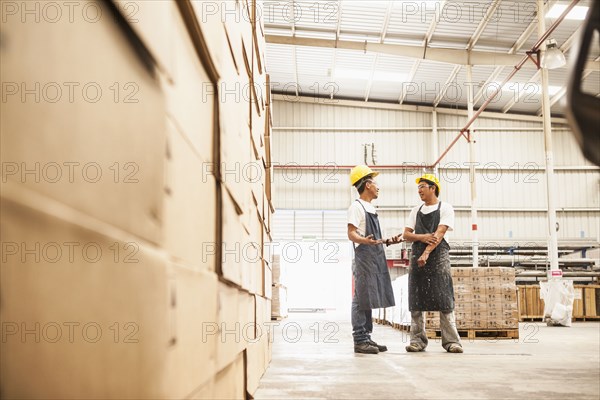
{"points": [[279, 305], [137, 205], [485, 299], [586, 305]]}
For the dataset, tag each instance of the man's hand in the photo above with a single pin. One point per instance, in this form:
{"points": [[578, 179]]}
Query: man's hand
{"points": [[394, 240], [369, 240], [423, 259], [429, 238]]}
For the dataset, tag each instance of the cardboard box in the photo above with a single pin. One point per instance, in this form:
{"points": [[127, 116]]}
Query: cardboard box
{"points": [[462, 288], [461, 271], [190, 205], [479, 272], [478, 279], [493, 288], [232, 262], [192, 356], [70, 282], [492, 271], [267, 280], [464, 307], [230, 382], [494, 297], [256, 362], [279, 302], [479, 298], [212, 18], [235, 323], [192, 95], [479, 307], [462, 280], [89, 134], [507, 272], [461, 297], [480, 324], [464, 324], [153, 22], [479, 289]]}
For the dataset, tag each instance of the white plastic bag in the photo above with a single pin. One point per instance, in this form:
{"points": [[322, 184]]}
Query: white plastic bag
{"points": [[558, 296]]}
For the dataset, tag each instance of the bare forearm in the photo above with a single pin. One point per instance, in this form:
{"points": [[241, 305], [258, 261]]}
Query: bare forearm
{"points": [[411, 236]]}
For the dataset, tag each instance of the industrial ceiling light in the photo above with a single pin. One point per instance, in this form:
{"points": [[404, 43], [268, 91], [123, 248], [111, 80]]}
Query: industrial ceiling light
{"points": [[553, 57]]}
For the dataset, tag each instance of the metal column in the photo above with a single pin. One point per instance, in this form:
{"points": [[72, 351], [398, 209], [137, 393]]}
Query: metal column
{"points": [[550, 186], [472, 174], [435, 140]]}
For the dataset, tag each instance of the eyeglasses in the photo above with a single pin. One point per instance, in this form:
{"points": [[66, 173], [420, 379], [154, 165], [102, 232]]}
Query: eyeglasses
{"points": [[423, 186]]}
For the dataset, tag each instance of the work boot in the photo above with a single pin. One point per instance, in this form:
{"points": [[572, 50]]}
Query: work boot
{"points": [[455, 348], [365, 348], [414, 348], [380, 347]]}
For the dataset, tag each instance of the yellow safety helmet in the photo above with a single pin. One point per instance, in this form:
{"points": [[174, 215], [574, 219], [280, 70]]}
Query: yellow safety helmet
{"points": [[359, 172], [430, 178]]}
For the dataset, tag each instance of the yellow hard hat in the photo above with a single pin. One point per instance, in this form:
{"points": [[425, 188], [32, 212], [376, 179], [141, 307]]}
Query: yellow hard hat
{"points": [[359, 172], [430, 178]]}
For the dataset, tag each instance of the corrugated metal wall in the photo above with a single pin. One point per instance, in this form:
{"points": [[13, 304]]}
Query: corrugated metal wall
{"points": [[511, 182]]}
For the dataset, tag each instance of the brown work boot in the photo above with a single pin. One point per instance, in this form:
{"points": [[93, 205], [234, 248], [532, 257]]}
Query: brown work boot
{"points": [[414, 348], [455, 348], [365, 348], [380, 347]]}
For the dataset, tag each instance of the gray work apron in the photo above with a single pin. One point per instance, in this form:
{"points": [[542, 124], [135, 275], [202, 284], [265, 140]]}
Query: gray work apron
{"points": [[372, 282], [430, 287]]}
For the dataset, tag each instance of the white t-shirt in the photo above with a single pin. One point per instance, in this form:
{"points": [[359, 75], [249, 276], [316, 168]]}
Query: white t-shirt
{"points": [[446, 216], [356, 215]]}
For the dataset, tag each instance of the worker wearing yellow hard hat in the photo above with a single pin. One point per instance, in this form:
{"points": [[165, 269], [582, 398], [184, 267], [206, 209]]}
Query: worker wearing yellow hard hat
{"points": [[432, 180], [372, 282], [429, 280]]}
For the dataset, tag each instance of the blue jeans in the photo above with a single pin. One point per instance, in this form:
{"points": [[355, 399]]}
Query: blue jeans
{"points": [[362, 323]]}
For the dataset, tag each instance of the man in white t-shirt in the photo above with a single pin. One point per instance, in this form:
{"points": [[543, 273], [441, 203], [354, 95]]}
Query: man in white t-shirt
{"points": [[372, 282], [429, 281]]}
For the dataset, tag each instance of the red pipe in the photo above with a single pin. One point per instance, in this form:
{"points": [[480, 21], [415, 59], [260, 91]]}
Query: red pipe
{"points": [[534, 49]]}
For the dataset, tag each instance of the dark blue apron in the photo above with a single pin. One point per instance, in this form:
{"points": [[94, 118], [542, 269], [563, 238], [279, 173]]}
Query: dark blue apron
{"points": [[430, 287], [372, 282]]}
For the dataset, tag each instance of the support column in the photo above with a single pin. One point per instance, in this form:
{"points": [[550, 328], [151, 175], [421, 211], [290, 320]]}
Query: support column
{"points": [[435, 148], [472, 174], [547, 124]]}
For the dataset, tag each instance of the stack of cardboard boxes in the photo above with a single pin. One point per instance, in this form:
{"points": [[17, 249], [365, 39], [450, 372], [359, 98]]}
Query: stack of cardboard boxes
{"points": [[485, 298], [135, 202], [279, 308]]}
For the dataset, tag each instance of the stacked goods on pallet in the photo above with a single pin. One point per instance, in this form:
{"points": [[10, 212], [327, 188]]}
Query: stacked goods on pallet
{"points": [[279, 308], [135, 211], [485, 299], [586, 305]]}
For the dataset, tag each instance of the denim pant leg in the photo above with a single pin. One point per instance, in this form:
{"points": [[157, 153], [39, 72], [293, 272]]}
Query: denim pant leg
{"points": [[418, 335], [448, 328], [359, 322], [369, 323]]}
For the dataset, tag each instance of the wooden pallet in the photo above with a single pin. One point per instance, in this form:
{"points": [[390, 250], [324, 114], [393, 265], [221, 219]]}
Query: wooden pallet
{"points": [[479, 333], [596, 318], [400, 327]]}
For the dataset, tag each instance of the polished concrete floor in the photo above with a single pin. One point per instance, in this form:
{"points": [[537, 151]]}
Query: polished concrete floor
{"points": [[313, 358]]}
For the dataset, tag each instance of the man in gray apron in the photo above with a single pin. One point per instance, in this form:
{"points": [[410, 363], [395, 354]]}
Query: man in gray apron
{"points": [[429, 281], [372, 283]]}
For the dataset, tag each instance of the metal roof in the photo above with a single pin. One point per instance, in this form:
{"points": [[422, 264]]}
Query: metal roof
{"points": [[496, 27]]}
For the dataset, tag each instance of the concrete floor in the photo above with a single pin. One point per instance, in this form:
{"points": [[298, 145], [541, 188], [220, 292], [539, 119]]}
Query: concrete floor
{"points": [[544, 363]]}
